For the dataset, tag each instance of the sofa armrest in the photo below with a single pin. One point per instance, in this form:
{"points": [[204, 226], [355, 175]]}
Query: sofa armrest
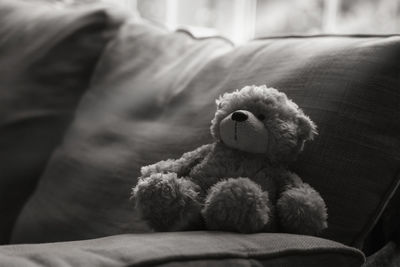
{"points": [[387, 256], [199, 248]]}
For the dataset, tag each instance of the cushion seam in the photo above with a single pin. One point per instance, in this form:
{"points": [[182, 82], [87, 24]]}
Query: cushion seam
{"points": [[187, 32], [300, 36], [351, 253], [327, 35]]}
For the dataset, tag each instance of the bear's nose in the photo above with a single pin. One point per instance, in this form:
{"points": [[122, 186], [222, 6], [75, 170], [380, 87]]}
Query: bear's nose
{"points": [[239, 116]]}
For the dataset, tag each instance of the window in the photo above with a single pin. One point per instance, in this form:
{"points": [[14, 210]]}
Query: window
{"points": [[241, 20]]}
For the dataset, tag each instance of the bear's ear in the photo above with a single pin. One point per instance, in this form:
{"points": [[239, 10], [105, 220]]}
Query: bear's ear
{"points": [[307, 128]]}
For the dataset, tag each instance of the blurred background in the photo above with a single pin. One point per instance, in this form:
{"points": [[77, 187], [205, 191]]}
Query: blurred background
{"points": [[241, 20]]}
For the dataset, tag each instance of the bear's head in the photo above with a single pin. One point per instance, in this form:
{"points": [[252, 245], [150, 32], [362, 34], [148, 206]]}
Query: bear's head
{"points": [[257, 119]]}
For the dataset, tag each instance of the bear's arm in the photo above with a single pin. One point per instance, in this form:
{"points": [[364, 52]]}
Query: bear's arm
{"points": [[282, 178], [287, 179], [181, 166], [275, 181]]}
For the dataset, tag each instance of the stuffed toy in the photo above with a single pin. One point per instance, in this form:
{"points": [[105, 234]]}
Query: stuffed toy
{"points": [[241, 181]]}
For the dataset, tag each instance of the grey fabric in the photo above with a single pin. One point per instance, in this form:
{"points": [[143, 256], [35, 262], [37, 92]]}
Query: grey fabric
{"points": [[95, 184], [152, 98], [185, 249], [47, 55], [387, 229]]}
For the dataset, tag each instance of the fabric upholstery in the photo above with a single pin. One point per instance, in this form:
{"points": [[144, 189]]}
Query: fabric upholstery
{"points": [[185, 249], [47, 55], [152, 98], [387, 229], [387, 256]]}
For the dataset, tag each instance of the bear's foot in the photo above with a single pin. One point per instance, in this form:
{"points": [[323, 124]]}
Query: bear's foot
{"points": [[236, 205], [167, 203], [302, 210]]}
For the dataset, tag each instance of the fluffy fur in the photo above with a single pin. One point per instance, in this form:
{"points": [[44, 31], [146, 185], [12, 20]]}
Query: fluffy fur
{"points": [[241, 181]]}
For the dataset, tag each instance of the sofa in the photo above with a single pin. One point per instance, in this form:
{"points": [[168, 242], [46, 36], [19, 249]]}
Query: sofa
{"points": [[89, 93]]}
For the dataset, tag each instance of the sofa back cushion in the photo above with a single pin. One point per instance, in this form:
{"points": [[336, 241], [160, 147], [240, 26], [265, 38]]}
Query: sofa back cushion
{"points": [[47, 55], [153, 97]]}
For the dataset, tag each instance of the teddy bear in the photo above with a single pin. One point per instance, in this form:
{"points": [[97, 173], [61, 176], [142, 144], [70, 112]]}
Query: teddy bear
{"points": [[241, 181]]}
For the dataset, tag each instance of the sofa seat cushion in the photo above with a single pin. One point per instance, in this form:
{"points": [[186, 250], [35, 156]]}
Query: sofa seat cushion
{"points": [[153, 95], [185, 249]]}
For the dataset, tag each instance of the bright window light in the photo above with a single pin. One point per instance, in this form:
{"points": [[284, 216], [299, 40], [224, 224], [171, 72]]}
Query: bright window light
{"points": [[241, 20]]}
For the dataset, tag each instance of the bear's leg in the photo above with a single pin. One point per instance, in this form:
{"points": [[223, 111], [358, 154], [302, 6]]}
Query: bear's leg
{"points": [[167, 203], [301, 210], [237, 205]]}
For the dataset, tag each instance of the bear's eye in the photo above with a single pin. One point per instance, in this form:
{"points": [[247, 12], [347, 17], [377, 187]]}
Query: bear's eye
{"points": [[261, 117]]}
